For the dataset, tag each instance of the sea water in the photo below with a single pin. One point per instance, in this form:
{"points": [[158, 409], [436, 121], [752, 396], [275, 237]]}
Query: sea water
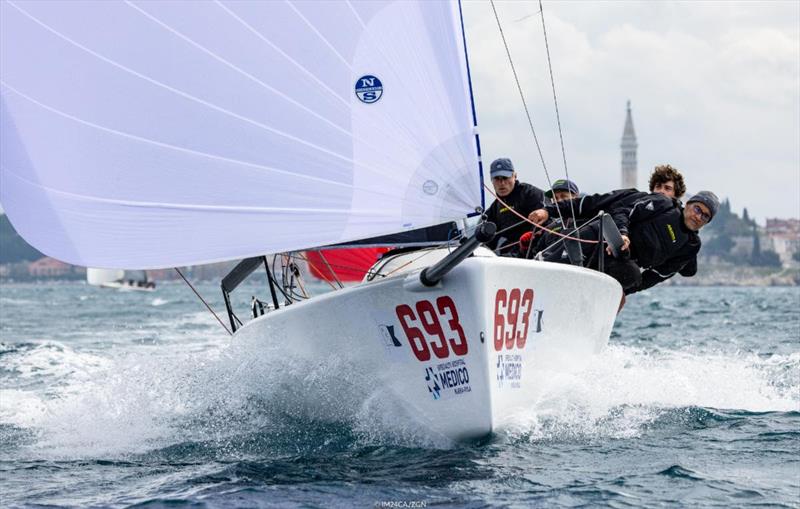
{"points": [[111, 398]]}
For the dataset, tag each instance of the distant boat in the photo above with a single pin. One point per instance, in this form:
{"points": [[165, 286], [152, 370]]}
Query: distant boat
{"points": [[119, 279]]}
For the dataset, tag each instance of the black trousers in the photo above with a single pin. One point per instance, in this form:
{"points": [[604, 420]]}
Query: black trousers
{"points": [[623, 269]]}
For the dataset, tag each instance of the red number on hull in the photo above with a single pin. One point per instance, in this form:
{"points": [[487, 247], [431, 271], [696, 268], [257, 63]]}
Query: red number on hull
{"points": [[416, 340], [512, 311], [435, 338], [499, 318], [459, 345]]}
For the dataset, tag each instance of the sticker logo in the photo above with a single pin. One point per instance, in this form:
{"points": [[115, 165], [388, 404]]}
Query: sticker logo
{"points": [[448, 379], [509, 370], [369, 89], [433, 383], [430, 187]]}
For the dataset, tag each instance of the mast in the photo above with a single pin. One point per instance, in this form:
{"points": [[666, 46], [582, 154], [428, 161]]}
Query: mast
{"points": [[472, 102], [628, 148]]}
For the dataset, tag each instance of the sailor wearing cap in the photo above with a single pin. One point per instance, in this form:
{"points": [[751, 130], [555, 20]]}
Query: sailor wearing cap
{"points": [[659, 235], [562, 189], [517, 197]]}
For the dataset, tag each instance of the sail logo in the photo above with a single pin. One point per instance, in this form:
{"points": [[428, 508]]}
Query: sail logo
{"points": [[369, 89], [430, 187]]}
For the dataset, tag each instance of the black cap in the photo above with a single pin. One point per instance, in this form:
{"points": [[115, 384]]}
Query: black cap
{"points": [[562, 185]]}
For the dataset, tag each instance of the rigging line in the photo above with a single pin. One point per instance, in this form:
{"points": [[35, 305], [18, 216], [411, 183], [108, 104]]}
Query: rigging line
{"points": [[555, 101], [271, 276], [576, 230], [330, 269], [426, 253], [524, 102], [537, 225], [314, 269], [236, 68], [202, 300]]}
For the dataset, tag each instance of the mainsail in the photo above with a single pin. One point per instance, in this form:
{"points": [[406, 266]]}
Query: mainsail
{"points": [[158, 134]]}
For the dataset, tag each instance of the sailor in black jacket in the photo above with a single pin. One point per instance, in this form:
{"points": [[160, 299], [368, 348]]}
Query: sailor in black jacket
{"points": [[660, 235], [518, 197]]}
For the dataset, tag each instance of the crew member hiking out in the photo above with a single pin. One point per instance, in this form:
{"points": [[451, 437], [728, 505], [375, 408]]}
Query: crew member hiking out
{"points": [[659, 235], [549, 245], [668, 181], [517, 197]]}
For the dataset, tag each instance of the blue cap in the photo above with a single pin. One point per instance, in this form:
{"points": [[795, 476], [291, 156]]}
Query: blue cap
{"points": [[502, 167], [563, 185]]}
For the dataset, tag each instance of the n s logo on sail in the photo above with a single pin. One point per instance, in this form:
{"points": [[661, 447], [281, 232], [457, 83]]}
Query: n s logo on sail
{"points": [[369, 89]]}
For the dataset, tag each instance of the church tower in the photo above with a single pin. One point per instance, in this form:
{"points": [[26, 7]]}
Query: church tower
{"points": [[628, 147]]}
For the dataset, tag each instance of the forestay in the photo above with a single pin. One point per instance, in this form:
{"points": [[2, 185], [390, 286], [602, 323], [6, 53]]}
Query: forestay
{"points": [[158, 134]]}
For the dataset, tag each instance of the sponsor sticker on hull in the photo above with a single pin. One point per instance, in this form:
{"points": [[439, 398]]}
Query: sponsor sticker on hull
{"points": [[509, 371], [448, 379]]}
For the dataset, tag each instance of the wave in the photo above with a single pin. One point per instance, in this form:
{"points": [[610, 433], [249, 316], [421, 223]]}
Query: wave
{"points": [[130, 401]]}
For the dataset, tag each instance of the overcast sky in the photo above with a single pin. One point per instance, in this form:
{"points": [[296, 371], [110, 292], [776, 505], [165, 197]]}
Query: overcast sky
{"points": [[714, 89]]}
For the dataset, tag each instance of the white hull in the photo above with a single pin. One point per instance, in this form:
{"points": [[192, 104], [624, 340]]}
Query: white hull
{"points": [[127, 287], [464, 388]]}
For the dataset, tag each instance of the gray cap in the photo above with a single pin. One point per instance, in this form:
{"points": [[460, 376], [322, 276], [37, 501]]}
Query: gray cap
{"points": [[708, 199], [502, 167]]}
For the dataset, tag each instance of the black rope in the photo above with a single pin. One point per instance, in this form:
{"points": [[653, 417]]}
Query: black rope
{"points": [[558, 117], [524, 104], [203, 300]]}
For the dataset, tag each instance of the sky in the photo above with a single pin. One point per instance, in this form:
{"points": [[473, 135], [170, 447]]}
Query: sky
{"points": [[714, 89]]}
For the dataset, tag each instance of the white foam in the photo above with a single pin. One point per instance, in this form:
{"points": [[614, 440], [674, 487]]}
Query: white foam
{"points": [[625, 389], [144, 398]]}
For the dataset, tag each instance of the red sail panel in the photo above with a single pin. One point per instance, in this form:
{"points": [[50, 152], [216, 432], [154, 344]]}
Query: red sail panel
{"points": [[347, 264]]}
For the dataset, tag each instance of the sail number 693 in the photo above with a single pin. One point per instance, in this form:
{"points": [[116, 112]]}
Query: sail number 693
{"points": [[434, 338], [512, 311]]}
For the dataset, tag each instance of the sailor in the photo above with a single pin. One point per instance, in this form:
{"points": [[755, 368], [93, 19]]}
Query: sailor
{"points": [[561, 190], [518, 198], [668, 181], [659, 235]]}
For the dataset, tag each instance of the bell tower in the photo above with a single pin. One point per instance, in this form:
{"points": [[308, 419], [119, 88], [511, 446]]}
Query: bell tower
{"points": [[628, 147]]}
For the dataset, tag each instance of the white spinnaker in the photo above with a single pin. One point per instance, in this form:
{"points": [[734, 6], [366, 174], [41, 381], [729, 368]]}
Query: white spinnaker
{"points": [[158, 134]]}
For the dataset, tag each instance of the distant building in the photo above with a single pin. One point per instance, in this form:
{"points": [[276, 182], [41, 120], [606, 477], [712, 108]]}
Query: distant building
{"points": [[783, 237], [628, 147], [48, 267]]}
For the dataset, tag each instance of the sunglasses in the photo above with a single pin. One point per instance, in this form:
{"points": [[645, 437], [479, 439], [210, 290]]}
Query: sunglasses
{"points": [[697, 210]]}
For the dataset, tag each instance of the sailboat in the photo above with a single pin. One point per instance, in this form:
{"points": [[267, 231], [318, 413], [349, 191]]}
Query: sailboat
{"points": [[213, 131], [119, 279]]}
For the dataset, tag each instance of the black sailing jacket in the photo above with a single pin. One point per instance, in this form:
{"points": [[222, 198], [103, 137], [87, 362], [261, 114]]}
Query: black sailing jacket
{"points": [[660, 242], [524, 199]]}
